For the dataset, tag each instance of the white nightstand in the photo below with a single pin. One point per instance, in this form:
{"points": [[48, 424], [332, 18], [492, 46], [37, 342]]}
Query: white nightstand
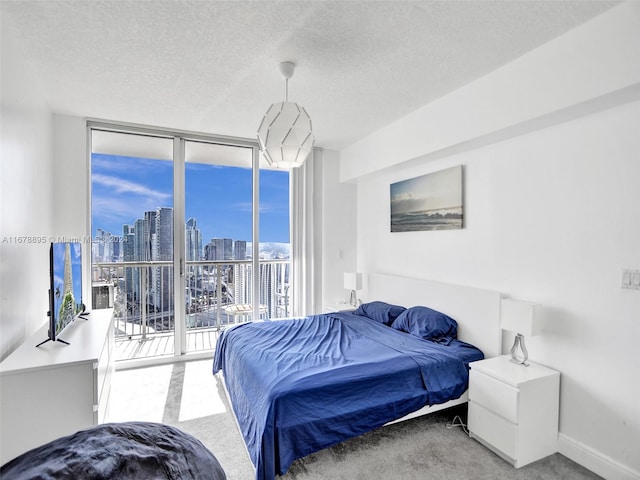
{"points": [[513, 410], [339, 307]]}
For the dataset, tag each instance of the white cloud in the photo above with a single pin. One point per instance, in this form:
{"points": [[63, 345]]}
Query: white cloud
{"points": [[264, 207], [121, 186], [403, 197]]}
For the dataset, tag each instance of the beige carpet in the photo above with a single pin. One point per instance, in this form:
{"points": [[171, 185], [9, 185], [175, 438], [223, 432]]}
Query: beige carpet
{"points": [[188, 396]]}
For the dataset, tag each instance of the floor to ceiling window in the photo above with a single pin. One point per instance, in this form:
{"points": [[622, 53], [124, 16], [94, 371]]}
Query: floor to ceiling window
{"points": [[218, 216], [275, 248], [173, 231], [132, 201]]}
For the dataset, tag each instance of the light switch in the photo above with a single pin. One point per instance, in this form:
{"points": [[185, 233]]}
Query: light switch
{"points": [[630, 279]]}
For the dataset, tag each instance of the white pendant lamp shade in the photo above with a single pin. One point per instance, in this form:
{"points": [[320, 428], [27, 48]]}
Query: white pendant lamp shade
{"points": [[285, 133]]}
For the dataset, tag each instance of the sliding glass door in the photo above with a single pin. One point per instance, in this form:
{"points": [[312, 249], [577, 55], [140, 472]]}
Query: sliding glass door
{"points": [[175, 231], [218, 210], [132, 217]]}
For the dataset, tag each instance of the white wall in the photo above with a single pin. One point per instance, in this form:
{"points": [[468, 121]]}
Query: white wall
{"points": [[552, 215], [594, 66], [71, 177], [26, 206], [338, 230], [72, 180]]}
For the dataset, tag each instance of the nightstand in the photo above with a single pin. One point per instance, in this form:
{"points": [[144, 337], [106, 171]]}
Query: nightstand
{"points": [[339, 307], [513, 409]]}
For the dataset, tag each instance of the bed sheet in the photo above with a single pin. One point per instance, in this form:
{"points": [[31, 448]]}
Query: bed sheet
{"points": [[300, 385]]}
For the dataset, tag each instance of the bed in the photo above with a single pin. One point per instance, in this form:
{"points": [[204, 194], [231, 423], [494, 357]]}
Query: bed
{"points": [[300, 385]]}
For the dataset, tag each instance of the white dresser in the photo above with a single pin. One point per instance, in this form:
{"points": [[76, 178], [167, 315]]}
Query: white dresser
{"points": [[513, 410], [56, 389]]}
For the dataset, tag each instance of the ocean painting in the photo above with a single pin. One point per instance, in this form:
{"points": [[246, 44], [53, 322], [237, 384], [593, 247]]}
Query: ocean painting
{"points": [[428, 202]]}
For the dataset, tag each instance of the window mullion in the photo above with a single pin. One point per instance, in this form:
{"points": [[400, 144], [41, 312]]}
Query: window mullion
{"points": [[179, 266], [255, 241]]}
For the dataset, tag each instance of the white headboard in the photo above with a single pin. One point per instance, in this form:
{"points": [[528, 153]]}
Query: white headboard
{"points": [[477, 311]]}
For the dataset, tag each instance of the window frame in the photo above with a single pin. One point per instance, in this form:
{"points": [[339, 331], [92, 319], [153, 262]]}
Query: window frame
{"points": [[180, 138]]}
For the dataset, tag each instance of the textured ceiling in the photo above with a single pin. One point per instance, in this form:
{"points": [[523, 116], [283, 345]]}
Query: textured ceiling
{"points": [[211, 66]]}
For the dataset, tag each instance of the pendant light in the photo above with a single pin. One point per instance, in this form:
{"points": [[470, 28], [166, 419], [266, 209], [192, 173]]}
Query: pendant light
{"points": [[285, 134]]}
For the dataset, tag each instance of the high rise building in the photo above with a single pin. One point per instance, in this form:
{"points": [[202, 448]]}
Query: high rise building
{"points": [[242, 283], [228, 248], [163, 251], [68, 273], [138, 242], [148, 235], [103, 246], [240, 250], [163, 240], [210, 251], [268, 273], [193, 241], [131, 275], [67, 308], [224, 248], [116, 249], [97, 247]]}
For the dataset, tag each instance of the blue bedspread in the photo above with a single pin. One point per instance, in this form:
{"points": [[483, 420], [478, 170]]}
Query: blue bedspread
{"points": [[300, 385]]}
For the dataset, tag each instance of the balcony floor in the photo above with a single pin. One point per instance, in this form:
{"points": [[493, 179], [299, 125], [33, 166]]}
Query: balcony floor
{"points": [[162, 344]]}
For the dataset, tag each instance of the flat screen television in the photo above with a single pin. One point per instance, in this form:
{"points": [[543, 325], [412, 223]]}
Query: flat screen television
{"points": [[65, 288]]}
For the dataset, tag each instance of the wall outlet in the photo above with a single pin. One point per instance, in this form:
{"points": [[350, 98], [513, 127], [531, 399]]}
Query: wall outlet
{"points": [[630, 279]]}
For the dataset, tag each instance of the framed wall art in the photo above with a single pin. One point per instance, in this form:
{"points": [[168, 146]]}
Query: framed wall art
{"points": [[430, 202]]}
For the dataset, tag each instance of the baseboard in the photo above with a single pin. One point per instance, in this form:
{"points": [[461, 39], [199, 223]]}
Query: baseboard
{"points": [[595, 461]]}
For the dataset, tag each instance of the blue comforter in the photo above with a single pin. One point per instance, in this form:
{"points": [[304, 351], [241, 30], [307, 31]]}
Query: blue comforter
{"points": [[300, 385]]}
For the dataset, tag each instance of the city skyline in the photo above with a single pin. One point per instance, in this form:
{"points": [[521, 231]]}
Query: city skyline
{"points": [[150, 238], [220, 198]]}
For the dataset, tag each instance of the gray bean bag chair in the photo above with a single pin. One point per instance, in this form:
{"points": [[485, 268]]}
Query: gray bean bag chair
{"points": [[118, 451]]}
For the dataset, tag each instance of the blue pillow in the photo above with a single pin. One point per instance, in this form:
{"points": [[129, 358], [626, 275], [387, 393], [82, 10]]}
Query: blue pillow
{"points": [[426, 323], [380, 311]]}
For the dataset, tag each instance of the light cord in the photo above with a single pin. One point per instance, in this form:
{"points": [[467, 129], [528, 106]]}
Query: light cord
{"points": [[457, 422]]}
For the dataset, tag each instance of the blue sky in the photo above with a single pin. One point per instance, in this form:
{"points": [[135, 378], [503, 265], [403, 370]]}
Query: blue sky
{"points": [[123, 188]]}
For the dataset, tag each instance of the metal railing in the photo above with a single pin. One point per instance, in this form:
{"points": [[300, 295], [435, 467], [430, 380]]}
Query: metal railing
{"points": [[217, 293]]}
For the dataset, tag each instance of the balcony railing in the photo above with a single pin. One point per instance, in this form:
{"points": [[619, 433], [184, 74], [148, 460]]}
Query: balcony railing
{"points": [[217, 293]]}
